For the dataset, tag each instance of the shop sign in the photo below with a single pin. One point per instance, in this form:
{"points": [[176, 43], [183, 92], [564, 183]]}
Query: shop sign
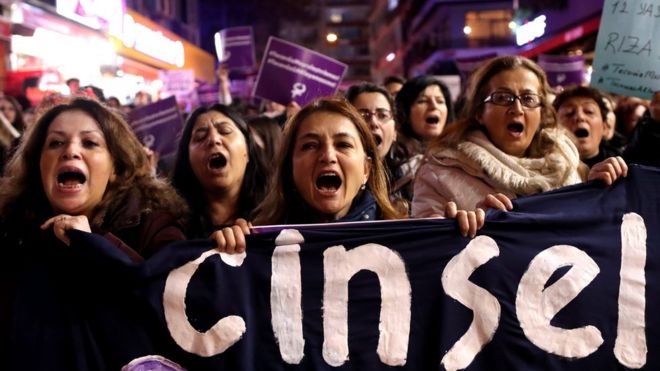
{"points": [[152, 42]]}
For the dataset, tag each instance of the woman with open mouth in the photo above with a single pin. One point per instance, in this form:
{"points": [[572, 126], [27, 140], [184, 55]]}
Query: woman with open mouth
{"points": [[507, 145], [424, 107], [80, 169], [376, 106], [219, 171], [583, 112]]}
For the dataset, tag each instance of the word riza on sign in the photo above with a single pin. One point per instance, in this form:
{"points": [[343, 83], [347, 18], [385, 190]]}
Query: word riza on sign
{"points": [[535, 304]]}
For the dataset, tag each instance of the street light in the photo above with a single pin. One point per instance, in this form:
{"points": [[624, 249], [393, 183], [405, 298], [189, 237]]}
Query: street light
{"points": [[331, 37], [467, 30]]}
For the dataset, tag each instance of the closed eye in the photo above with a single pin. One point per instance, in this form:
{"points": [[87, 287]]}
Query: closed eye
{"points": [[344, 144], [55, 143], [308, 145], [90, 143]]}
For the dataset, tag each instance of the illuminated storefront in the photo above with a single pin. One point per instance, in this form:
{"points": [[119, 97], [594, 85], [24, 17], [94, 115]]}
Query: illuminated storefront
{"points": [[121, 51]]}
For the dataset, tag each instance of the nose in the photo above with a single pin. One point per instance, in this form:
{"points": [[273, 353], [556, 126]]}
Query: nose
{"points": [[372, 122], [516, 107], [215, 138], [328, 155], [72, 150]]}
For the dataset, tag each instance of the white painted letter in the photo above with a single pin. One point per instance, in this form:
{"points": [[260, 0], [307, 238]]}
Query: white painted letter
{"points": [[486, 308], [286, 296], [394, 329], [536, 305], [630, 345], [225, 333]]}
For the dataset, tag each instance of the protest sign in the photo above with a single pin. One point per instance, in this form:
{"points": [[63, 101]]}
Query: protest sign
{"points": [[468, 65], [567, 280], [628, 48], [158, 125], [235, 48], [290, 72], [563, 70]]}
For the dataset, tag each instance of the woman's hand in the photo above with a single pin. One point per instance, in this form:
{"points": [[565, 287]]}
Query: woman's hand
{"points": [[496, 201], [63, 223], [609, 170], [231, 240], [469, 222]]}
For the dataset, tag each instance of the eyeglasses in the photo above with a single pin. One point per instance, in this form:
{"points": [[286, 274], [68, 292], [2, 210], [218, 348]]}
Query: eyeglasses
{"points": [[507, 99], [381, 114]]}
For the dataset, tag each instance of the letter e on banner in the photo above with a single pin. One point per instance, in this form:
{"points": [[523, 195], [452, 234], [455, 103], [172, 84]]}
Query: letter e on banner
{"points": [[537, 305]]}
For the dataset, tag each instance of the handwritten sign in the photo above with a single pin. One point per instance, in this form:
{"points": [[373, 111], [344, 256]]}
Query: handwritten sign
{"points": [[628, 48], [235, 48], [290, 72]]}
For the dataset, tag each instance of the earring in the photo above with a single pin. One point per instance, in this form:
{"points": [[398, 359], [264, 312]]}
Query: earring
{"points": [[363, 186]]}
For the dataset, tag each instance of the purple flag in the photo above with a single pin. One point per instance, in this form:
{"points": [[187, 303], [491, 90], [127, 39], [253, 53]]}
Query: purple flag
{"points": [[563, 70], [235, 48], [158, 125], [290, 72]]}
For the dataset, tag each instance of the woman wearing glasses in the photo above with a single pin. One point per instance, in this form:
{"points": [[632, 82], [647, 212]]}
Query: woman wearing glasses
{"points": [[507, 145], [376, 106]]}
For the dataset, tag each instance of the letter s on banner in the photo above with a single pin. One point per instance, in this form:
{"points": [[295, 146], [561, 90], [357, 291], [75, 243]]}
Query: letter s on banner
{"points": [[223, 334], [486, 308], [537, 305]]}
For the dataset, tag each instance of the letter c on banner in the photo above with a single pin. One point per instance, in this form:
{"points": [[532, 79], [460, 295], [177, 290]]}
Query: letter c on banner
{"points": [[223, 334]]}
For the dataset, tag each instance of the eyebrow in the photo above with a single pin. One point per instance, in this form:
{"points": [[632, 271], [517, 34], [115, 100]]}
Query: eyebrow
{"points": [[60, 132], [313, 135]]}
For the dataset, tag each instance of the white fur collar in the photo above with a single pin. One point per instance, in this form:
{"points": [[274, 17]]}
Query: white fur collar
{"points": [[521, 175]]}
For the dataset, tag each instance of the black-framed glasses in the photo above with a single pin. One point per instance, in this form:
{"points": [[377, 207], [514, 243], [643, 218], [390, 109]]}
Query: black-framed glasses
{"points": [[381, 114], [501, 98]]}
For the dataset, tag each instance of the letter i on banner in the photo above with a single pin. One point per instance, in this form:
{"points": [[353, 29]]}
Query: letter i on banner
{"points": [[286, 296]]}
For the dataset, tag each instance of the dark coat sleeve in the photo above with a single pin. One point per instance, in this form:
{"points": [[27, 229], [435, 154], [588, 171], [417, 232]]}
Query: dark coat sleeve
{"points": [[644, 145], [154, 231]]}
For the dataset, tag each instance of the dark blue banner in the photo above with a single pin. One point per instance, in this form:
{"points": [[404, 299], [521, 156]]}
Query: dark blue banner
{"points": [[566, 281]]}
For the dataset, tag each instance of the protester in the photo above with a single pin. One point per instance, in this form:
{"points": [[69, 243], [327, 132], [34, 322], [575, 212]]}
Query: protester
{"points": [[644, 145], [326, 173], [582, 111], [74, 86], [628, 111], [376, 106], [508, 145], [218, 170], [423, 108], [393, 84], [79, 170], [267, 134], [11, 130]]}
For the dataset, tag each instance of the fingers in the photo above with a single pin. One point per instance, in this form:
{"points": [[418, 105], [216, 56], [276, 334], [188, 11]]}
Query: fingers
{"points": [[451, 209], [244, 225], [63, 223], [609, 170], [497, 201], [230, 240]]}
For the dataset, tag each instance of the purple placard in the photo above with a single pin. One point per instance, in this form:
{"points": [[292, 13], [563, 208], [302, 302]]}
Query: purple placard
{"points": [[563, 70], [235, 48], [290, 72], [158, 125], [207, 93]]}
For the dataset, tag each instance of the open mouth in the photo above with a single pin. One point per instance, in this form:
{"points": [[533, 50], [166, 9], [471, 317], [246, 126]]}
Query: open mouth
{"points": [[328, 182], [515, 127], [433, 120], [217, 161], [378, 139], [581, 133], [70, 178]]}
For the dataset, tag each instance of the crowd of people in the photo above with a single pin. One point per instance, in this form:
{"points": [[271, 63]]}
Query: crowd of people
{"points": [[380, 152]]}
